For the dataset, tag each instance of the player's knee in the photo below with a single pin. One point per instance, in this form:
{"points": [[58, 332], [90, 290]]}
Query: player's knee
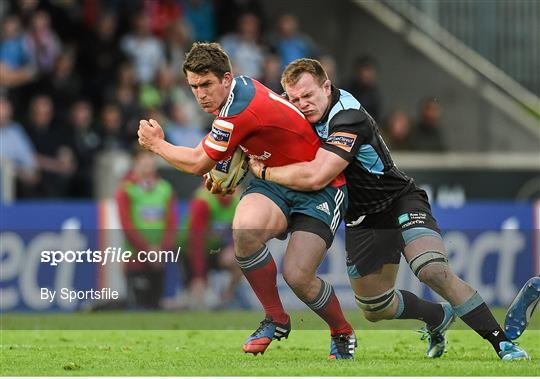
{"points": [[432, 268], [246, 241], [298, 280], [373, 316], [435, 275], [376, 308]]}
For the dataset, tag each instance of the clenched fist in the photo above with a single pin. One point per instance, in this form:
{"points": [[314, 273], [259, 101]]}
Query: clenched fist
{"points": [[150, 134]]}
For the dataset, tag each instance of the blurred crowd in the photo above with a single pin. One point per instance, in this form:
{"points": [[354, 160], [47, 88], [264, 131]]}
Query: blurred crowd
{"points": [[76, 77]]}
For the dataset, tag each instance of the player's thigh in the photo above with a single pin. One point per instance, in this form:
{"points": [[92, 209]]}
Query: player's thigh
{"points": [[419, 230], [319, 212], [377, 282], [370, 246], [257, 214]]}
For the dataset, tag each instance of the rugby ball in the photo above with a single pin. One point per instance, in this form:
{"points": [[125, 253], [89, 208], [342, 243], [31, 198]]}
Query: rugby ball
{"points": [[229, 172]]}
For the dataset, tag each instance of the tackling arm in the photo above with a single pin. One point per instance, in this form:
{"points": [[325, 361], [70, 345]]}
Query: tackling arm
{"points": [[304, 176]]}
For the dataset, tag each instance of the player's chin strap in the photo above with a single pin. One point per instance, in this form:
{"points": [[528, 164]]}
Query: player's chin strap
{"points": [[427, 258], [376, 303]]}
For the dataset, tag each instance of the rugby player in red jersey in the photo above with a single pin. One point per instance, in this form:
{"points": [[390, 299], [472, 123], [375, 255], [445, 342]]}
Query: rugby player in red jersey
{"points": [[269, 128]]}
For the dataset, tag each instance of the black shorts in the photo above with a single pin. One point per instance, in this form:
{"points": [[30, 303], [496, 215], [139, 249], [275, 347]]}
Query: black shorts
{"points": [[380, 238]]}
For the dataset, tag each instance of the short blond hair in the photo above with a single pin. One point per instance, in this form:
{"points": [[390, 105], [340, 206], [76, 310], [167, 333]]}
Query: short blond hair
{"points": [[296, 68]]}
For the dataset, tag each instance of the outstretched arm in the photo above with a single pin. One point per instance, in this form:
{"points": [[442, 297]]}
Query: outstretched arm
{"points": [[304, 176], [194, 161]]}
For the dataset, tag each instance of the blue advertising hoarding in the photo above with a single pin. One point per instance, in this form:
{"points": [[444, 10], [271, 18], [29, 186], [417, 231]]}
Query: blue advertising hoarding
{"points": [[493, 246]]}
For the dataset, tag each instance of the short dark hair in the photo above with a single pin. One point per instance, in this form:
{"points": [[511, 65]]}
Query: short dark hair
{"points": [[207, 57]]}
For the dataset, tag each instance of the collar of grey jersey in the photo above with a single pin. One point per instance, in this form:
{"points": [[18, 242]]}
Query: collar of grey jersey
{"points": [[334, 98]]}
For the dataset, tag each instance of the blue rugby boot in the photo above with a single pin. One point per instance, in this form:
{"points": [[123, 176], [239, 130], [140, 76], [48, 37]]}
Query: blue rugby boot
{"points": [[437, 336], [342, 346], [267, 331], [520, 311], [511, 352]]}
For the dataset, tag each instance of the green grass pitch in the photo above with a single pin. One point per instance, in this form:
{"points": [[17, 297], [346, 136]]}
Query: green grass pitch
{"points": [[52, 345]]}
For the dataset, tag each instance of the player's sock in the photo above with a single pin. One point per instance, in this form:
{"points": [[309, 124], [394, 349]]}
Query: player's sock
{"points": [[412, 307], [260, 271], [326, 305], [476, 314]]}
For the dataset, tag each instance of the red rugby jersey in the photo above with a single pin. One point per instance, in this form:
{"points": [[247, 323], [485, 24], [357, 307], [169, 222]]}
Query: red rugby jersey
{"points": [[264, 125]]}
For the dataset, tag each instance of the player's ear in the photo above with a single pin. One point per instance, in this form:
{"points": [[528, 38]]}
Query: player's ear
{"points": [[327, 87], [227, 79]]}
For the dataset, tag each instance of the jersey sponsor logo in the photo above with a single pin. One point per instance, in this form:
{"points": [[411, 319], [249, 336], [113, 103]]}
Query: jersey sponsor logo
{"points": [[224, 165], [403, 218], [220, 135], [264, 156], [342, 140]]}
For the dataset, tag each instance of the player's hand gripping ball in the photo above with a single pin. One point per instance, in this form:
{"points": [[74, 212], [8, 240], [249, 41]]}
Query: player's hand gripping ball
{"points": [[228, 173]]}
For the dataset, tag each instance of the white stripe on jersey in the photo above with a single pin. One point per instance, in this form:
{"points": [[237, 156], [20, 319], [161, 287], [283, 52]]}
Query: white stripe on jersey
{"points": [[224, 124], [225, 108], [285, 102], [214, 146]]}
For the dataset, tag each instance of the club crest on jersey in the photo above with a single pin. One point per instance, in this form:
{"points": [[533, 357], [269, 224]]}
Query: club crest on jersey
{"points": [[220, 135], [342, 140]]}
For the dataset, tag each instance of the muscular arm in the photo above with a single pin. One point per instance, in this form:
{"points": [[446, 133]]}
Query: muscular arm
{"points": [[309, 176], [193, 161]]}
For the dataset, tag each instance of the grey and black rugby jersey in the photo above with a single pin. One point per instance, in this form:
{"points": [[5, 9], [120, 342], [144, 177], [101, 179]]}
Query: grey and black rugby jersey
{"points": [[373, 180]]}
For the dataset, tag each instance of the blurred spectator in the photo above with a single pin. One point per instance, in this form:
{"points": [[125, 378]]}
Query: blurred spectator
{"points": [[25, 10], [228, 12], [43, 42], [200, 16], [101, 56], [16, 61], [111, 128], [243, 47], [145, 51], [290, 44], [85, 143], [64, 84], [427, 135], [15, 146], [206, 238], [125, 94], [363, 86], [330, 66], [55, 158], [177, 41], [179, 131], [161, 94], [162, 13], [147, 209], [397, 131], [272, 73]]}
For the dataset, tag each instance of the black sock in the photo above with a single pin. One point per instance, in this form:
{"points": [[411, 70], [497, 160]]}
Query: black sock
{"points": [[412, 307], [476, 314]]}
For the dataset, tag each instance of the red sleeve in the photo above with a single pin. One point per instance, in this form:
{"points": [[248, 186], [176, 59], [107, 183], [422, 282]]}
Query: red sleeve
{"points": [[169, 236], [199, 217], [124, 210], [226, 134]]}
